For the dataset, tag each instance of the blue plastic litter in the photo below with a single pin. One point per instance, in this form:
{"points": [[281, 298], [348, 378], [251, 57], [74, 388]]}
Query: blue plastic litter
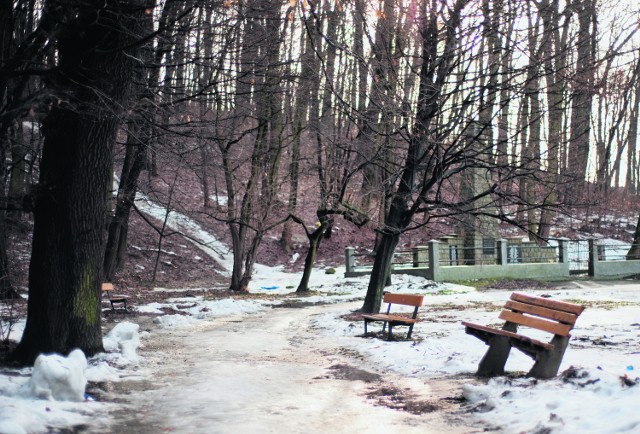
{"points": [[88, 397], [269, 288], [630, 368]]}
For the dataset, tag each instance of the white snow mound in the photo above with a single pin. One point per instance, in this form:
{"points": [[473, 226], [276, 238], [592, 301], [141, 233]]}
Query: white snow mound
{"points": [[58, 378], [124, 337]]}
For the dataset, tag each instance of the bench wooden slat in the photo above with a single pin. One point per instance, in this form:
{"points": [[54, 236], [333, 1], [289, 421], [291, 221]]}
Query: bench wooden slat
{"points": [[563, 317], [536, 323], [405, 299], [118, 298], [564, 306], [394, 318], [470, 327]]}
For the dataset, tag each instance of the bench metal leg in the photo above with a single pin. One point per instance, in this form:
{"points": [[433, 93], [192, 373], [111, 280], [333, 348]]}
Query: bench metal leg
{"points": [[410, 331], [548, 362]]}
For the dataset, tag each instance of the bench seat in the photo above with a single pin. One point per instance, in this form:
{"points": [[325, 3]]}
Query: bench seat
{"points": [[526, 344], [390, 318]]}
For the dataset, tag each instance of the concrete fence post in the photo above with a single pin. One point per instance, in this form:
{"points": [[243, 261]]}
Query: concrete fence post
{"points": [[563, 250], [434, 260], [593, 257], [349, 260], [503, 258], [563, 255]]}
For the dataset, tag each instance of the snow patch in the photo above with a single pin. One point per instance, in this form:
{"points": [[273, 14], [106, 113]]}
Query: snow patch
{"points": [[58, 378]]}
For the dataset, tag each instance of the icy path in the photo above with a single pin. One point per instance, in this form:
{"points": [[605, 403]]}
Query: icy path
{"points": [[271, 372]]}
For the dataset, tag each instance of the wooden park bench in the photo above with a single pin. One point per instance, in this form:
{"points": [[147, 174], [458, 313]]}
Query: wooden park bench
{"points": [[396, 320], [551, 316], [107, 289]]}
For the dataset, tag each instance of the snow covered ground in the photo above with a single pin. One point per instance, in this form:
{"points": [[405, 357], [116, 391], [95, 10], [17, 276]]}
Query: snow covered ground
{"points": [[598, 396]]}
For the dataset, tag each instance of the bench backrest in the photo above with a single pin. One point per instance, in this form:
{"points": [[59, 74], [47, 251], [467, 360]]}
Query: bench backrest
{"points": [[406, 299], [552, 316], [107, 287]]}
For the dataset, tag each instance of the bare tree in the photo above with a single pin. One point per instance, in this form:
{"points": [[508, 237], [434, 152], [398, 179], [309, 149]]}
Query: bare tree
{"points": [[447, 147]]}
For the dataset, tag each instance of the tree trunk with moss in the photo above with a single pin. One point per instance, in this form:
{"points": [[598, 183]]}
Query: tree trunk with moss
{"points": [[65, 273]]}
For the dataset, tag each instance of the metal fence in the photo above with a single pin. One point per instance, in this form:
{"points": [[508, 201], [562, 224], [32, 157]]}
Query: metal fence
{"points": [[578, 251]]}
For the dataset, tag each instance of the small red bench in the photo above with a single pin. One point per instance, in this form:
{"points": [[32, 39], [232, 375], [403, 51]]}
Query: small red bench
{"points": [[551, 316], [396, 320]]}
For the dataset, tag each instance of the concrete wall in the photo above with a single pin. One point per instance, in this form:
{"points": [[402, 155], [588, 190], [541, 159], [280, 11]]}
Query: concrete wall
{"points": [[599, 269], [546, 271], [615, 269], [432, 262]]}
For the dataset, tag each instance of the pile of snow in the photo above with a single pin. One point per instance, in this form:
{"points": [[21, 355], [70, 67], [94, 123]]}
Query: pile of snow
{"points": [[579, 400], [51, 396], [194, 310], [123, 340], [58, 378]]}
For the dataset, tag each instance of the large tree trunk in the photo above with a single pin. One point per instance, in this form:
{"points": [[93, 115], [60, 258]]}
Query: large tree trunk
{"points": [[299, 114], [381, 271], [314, 242], [582, 96], [6, 30], [634, 250], [554, 54], [134, 162], [632, 137], [139, 138], [65, 273], [6, 288]]}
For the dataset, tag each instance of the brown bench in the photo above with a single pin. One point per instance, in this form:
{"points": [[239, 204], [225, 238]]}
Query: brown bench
{"points": [[551, 316], [396, 320], [107, 289]]}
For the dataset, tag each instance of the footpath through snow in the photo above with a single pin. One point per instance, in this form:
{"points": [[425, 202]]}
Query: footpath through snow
{"points": [[276, 371]]}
